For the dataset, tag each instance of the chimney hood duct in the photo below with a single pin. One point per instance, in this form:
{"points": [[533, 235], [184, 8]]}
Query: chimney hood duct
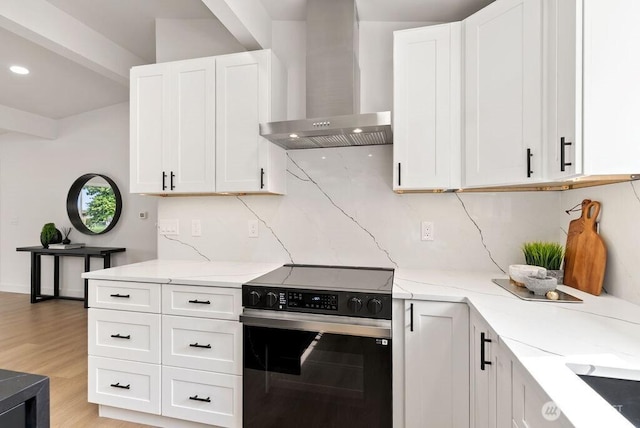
{"points": [[333, 86]]}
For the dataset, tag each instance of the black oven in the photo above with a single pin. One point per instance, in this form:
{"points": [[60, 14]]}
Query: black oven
{"points": [[316, 358]]}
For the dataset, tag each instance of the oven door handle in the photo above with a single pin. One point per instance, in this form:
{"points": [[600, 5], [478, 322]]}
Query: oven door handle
{"points": [[324, 323]]}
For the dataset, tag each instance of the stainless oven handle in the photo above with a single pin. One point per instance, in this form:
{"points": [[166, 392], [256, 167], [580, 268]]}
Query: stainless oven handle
{"points": [[325, 323]]}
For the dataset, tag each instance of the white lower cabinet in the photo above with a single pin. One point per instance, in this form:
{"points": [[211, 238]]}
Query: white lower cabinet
{"points": [[436, 371], [205, 397], [126, 384], [165, 355]]}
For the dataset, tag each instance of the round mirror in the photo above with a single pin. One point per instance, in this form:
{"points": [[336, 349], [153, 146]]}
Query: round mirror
{"points": [[94, 204]]}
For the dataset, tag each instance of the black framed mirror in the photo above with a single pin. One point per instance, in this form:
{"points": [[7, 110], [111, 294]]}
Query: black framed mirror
{"points": [[94, 204]]}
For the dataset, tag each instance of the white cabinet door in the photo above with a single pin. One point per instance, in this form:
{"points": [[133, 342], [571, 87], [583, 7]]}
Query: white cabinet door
{"points": [[437, 364], [244, 160], [593, 90], [503, 94], [426, 84], [150, 126], [191, 154], [483, 343]]}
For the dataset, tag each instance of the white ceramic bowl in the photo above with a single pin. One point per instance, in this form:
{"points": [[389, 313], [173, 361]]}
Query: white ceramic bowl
{"points": [[540, 286], [518, 273]]}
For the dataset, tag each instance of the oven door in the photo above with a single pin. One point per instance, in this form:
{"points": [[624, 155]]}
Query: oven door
{"points": [[303, 370]]}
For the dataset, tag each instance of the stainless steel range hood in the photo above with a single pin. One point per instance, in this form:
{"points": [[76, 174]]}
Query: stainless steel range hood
{"points": [[333, 86]]}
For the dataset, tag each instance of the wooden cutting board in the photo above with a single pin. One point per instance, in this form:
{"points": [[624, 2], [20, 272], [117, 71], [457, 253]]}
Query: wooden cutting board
{"points": [[575, 228], [590, 254]]}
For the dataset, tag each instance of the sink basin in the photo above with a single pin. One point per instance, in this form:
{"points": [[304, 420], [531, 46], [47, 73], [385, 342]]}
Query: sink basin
{"points": [[619, 387]]}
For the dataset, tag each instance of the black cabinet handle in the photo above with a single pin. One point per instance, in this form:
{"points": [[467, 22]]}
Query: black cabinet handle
{"points": [[411, 311], [164, 180], [172, 177], [262, 178], [563, 145], [400, 177], [202, 302], [196, 398], [483, 340], [124, 296], [117, 385], [119, 336], [529, 155], [196, 345]]}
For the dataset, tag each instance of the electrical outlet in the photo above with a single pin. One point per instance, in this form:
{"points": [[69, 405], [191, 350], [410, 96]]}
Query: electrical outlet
{"points": [[426, 231], [253, 228], [196, 228], [168, 227]]}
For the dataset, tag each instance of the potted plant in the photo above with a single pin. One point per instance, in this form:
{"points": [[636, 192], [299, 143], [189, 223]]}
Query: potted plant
{"points": [[49, 235], [548, 255]]}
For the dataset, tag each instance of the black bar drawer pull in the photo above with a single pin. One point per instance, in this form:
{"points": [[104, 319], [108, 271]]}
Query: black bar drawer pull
{"points": [[563, 145], [400, 177], [172, 177], [529, 155], [196, 345], [164, 180], [262, 178], [483, 340], [117, 385], [411, 310], [202, 302], [119, 336], [124, 296], [196, 398]]}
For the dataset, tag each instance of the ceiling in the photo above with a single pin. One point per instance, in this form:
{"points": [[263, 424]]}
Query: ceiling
{"points": [[79, 51]]}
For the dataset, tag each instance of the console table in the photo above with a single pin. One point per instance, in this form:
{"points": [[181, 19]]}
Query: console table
{"points": [[24, 400], [86, 252]]}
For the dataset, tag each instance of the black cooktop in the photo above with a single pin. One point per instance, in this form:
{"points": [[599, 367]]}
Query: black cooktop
{"points": [[320, 277]]}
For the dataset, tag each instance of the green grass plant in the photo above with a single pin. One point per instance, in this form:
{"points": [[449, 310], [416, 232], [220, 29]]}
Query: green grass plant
{"points": [[548, 255]]}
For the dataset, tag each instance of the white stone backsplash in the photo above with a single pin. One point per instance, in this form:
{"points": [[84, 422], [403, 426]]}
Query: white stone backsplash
{"points": [[340, 209]]}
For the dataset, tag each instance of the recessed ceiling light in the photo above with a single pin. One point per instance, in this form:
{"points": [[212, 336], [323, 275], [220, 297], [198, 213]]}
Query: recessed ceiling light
{"points": [[357, 131], [18, 69]]}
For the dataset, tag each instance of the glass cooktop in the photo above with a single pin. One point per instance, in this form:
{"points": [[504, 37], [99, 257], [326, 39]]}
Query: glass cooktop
{"points": [[344, 278]]}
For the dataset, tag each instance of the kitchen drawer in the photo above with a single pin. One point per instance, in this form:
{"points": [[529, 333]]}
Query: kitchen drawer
{"points": [[206, 302], [202, 344], [124, 335], [127, 296], [205, 397], [126, 384]]}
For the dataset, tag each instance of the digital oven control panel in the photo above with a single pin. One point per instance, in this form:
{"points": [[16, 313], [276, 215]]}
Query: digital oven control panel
{"points": [[355, 304]]}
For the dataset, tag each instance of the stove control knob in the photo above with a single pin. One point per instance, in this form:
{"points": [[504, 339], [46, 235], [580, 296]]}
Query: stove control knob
{"points": [[354, 304], [272, 299], [254, 298], [374, 306]]}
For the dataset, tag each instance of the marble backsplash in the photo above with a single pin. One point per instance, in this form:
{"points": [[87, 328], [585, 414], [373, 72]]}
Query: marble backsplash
{"points": [[340, 209]]}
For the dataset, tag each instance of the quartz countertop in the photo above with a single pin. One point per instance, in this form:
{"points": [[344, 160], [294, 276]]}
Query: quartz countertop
{"points": [[545, 336], [186, 272]]}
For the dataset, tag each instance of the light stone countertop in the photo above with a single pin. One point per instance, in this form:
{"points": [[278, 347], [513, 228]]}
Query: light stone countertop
{"points": [[186, 272], [545, 336]]}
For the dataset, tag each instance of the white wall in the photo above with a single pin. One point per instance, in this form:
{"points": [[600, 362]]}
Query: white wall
{"points": [[35, 177], [178, 39]]}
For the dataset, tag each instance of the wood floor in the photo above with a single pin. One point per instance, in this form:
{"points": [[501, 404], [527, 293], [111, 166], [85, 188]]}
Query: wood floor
{"points": [[50, 338]]}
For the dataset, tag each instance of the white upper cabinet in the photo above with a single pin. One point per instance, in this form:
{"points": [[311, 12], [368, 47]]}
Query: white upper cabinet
{"points": [[173, 127], [427, 83], [503, 94], [149, 126], [249, 91], [593, 101], [185, 114]]}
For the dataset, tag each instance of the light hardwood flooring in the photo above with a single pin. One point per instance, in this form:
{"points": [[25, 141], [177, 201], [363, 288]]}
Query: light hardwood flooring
{"points": [[50, 338]]}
